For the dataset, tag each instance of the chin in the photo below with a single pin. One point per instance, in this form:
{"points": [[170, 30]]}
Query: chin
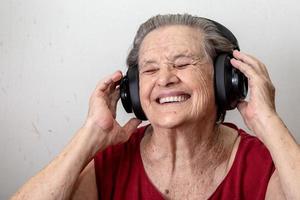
{"points": [[168, 121]]}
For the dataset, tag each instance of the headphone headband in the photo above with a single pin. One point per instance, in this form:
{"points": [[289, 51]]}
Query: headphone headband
{"points": [[225, 32]]}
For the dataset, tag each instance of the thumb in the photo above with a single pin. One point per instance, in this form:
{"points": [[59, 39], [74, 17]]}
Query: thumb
{"points": [[242, 107], [131, 125]]}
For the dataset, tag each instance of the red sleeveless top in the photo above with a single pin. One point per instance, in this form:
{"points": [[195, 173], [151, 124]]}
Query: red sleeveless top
{"points": [[120, 173]]}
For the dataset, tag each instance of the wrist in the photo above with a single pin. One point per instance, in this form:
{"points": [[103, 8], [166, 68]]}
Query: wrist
{"points": [[94, 137], [269, 127]]}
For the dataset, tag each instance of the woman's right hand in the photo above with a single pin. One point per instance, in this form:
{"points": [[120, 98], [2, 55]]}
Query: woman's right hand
{"points": [[101, 120]]}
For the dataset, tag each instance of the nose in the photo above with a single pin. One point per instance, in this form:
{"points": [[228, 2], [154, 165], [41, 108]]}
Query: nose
{"points": [[167, 76]]}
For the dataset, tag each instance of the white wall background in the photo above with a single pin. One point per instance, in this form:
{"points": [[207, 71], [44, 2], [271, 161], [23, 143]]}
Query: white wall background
{"points": [[52, 54]]}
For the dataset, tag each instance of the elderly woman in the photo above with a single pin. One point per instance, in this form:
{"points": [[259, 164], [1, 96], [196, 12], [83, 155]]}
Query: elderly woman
{"points": [[184, 153]]}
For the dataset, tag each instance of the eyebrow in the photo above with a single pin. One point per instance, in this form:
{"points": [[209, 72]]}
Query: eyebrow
{"points": [[183, 55], [176, 56], [148, 62], [189, 55]]}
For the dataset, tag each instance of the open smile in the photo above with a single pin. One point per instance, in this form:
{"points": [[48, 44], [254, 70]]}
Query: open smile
{"points": [[173, 99]]}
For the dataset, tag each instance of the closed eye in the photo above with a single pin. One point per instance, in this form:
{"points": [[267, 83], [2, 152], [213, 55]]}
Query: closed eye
{"points": [[149, 71], [182, 65]]}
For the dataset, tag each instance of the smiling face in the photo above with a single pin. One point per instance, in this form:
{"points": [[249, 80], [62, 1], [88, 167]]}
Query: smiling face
{"points": [[176, 78]]}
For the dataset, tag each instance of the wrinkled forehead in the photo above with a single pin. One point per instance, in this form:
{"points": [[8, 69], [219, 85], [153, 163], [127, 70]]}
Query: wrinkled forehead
{"points": [[172, 41]]}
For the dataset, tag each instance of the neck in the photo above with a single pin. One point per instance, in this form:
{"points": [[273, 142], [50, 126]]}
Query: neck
{"points": [[185, 146]]}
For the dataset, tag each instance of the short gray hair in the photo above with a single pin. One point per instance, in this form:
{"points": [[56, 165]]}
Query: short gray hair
{"points": [[213, 41]]}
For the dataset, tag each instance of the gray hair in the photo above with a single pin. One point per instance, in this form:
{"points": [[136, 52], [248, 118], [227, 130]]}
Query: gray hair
{"points": [[213, 41]]}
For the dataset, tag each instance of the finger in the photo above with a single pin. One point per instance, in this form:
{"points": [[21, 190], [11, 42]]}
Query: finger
{"points": [[116, 95], [261, 66], [114, 81], [110, 82], [114, 100], [242, 107], [250, 60], [103, 85], [116, 76], [245, 58], [246, 69]]}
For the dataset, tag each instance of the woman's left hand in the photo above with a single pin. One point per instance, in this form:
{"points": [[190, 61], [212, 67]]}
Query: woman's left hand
{"points": [[261, 104], [260, 116]]}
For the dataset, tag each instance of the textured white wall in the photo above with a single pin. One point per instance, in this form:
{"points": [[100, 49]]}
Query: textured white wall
{"points": [[52, 54]]}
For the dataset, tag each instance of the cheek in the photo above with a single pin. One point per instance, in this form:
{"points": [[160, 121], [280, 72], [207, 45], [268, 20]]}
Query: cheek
{"points": [[145, 88], [204, 92], [203, 80]]}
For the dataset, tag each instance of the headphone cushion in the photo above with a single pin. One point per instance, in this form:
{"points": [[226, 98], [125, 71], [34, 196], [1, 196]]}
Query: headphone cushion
{"points": [[231, 85], [133, 77], [220, 79]]}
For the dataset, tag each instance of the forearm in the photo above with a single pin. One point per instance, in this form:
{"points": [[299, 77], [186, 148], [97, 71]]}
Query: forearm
{"points": [[56, 181], [285, 153], [100, 130]]}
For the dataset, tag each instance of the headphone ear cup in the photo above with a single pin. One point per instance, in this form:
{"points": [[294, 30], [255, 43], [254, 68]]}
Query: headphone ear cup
{"points": [[125, 94], [231, 86], [220, 81], [129, 93]]}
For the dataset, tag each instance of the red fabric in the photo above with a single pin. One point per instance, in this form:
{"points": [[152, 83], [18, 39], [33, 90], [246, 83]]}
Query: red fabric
{"points": [[120, 173]]}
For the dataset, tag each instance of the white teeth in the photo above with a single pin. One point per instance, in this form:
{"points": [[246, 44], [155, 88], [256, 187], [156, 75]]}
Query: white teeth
{"points": [[173, 99]]}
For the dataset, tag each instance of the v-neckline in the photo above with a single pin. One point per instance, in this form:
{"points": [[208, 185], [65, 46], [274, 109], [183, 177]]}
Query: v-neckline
{"points": [[226, 177]]}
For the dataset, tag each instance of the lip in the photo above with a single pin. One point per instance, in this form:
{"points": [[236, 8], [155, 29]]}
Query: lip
{"points": [[171, 94]]}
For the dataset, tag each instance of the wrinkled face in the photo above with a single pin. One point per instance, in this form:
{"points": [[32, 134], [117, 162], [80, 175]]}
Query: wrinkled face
{"points": [[176, 78]]}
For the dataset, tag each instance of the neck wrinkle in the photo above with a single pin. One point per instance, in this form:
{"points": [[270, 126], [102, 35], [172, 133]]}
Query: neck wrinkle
{"points": [[188, 146]]}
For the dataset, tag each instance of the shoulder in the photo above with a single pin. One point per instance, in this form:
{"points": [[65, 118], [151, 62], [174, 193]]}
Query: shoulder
{"points": [[249, 153], [251, 170], [254, 150], [253, 162], [250, 145], [259, 162]]}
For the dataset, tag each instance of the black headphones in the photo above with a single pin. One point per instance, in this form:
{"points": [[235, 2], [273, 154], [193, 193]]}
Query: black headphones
{"points": [[231, 86]]}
